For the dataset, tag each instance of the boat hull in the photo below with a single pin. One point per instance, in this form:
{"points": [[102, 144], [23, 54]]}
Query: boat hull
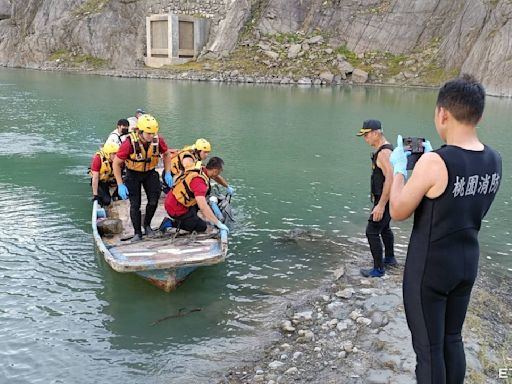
{"points": [[166, 260]]}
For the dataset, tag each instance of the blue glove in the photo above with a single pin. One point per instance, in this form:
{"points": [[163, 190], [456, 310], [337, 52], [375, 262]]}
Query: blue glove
{"points": [[230, 190], [168, 179], [398, 157], [122, 191], [427, 146], [221, 226]]}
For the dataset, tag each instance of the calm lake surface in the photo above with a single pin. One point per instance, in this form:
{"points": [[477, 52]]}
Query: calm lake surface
{"points": [[294, 159]]}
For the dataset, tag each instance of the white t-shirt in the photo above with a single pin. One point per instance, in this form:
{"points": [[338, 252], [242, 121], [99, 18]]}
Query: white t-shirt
{"points": [[115, 137], [133, 122]]}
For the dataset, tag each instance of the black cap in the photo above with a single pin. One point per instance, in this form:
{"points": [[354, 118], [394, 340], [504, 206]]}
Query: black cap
{"points": [[368, 126], [140, 110]]}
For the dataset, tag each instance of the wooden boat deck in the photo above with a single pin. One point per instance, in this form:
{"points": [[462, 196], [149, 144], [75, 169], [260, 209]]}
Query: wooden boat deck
{"points": [[163, 251]]}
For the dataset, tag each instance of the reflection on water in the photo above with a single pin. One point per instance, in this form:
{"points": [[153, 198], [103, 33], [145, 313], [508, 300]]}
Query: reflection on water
{"points": [[302, 180]]}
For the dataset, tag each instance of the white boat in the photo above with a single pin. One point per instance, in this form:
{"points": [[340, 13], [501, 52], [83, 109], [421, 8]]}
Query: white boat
{"points": [[166, 259]]}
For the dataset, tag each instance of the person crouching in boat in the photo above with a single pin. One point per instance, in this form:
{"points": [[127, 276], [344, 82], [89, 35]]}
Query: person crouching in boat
{"points": [[190, 155], [140, 153], [102, 174], [188, 196]]}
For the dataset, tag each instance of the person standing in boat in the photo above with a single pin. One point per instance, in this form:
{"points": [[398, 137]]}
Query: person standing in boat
{"points": [[102, 174], [120, 134], [450, 191], [133, 119], [190, 155], [381, 179], [188, 196], [140, 153]]}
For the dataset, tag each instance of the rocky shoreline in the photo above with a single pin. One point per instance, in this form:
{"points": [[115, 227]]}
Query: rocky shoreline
{"points": [[353, 330]]}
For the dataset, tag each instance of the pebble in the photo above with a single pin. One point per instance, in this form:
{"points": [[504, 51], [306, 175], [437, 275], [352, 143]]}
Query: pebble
{"points": [[348, 346], [292, 371], [307, 315], [363, 320], [275, 365], [287, 326], [346, 293], [297, 355]]}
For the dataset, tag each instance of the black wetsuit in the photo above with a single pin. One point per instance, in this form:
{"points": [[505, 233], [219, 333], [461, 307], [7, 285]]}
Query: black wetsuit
{"points": [[377, 229], [442, 262]]}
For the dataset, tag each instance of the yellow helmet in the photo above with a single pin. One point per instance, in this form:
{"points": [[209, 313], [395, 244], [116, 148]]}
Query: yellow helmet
{"points": [[147, 123], [203, 145], [110, 148]]}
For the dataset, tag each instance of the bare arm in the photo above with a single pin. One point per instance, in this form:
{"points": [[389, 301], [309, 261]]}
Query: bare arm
{"points": [[94, 183], [429, 178], [385, 165], [222, 181], [117, 166], [206, 210], [167, 160]]}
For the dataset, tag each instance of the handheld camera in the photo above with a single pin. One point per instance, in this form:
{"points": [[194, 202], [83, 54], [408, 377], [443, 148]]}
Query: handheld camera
{"points": [[415, 146]]}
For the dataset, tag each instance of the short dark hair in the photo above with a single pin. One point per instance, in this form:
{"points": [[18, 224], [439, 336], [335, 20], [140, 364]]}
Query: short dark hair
{"points": [[464, 98], [123, 122], [215, 163]]}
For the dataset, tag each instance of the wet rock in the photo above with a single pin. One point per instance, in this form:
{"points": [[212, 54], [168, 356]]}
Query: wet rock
{"points": [[338, 273], [346, 293], [306, 315], [359, 76], [336, 309], [304, 81], [109, 226], [287, 326]]}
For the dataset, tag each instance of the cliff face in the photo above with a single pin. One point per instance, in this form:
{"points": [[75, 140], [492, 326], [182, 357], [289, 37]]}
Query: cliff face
{"points": [[474, 34], [470, 35]]}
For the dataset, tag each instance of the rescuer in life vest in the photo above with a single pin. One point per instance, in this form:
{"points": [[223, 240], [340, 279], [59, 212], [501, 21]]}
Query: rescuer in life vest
{"points": [[189, 196], [102, 174], [190, 155], [140, 153]]}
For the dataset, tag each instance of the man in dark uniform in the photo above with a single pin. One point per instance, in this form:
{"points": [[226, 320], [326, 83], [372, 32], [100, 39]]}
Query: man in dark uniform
{"points": [[141, 153], [378, 222], [449, 192]]}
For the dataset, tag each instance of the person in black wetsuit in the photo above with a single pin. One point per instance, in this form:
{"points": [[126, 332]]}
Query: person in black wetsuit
{"points": [[378, 222], [450, 191]]}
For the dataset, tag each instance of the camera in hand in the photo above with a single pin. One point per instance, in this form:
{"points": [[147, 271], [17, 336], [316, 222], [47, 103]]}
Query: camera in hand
{"points": [[415, 146]]}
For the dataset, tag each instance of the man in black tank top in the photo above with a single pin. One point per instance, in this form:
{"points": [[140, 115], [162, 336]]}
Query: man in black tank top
{"points": [[449, 192], [378, 222]]}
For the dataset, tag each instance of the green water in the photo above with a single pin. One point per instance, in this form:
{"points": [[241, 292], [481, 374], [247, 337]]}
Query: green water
{"points": [[291, 154]]}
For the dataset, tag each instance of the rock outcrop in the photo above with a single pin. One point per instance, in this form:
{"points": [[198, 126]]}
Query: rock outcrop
{"points": [[469, 36]]}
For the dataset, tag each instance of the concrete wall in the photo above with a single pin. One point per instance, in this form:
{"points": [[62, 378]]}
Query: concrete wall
{"points": [[154, 57]]}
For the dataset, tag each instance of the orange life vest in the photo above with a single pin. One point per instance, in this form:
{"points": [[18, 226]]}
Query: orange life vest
{"points": [[182, 190], [106, 172], [141, 160]]}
